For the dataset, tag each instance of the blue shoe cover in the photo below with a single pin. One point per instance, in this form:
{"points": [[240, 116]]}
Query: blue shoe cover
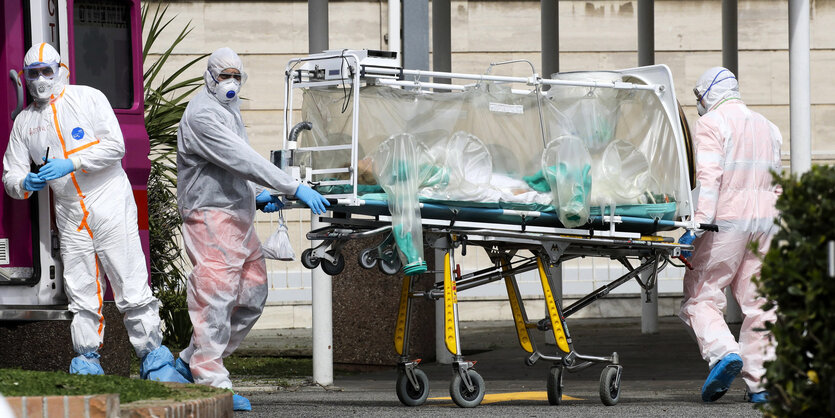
{"points": [[184, 370], [239, 403], [721, 375], [86, 364], [759, 397], [159, 365]]}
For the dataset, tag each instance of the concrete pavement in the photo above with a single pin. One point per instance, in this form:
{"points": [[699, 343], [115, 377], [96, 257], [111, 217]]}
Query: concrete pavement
{"points": [[662, 376]]}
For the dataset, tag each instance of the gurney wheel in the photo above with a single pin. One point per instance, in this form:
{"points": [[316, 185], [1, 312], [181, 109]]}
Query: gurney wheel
{"points": [[308, 261], [463, 397], [609, 387], [406, 392], [332, 269], [555, 385], [367, 260], [390, 267]]}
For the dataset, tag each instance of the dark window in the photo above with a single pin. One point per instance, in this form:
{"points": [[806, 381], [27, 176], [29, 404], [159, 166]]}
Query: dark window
{"points": [[103, 49]]}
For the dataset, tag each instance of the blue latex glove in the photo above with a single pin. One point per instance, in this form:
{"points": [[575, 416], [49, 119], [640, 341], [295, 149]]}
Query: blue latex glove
{"points": [[267, 202], [56, 168], [687, 239], [263, 197], [33, 183], [312, 199]]}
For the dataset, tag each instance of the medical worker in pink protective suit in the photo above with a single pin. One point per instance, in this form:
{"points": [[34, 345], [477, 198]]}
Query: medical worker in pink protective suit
{"points": [[94, 209], [736, 148], [217, 191]]}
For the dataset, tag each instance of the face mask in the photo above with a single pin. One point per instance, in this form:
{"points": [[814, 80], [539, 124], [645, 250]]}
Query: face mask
{"points": [[701, 108], [227, 90], [699, 104], [41, 88]]}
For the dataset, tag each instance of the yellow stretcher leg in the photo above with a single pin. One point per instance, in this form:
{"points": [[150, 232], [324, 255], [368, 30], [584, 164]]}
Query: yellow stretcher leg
{"points": [[515, 306], [450, 306], [553, 312], [400, 327]]}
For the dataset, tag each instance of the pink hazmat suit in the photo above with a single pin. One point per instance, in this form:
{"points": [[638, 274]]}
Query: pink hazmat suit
{"points": [[218, 174], [736, 148]]}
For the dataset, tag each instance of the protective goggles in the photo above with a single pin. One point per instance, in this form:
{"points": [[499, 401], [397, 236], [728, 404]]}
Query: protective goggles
{"points": [[38, 69], [226, 75], [712, 83]]}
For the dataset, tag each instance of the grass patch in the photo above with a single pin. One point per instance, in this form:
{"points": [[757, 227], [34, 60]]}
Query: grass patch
{"points": [[276, 367], [281, 368], [16, 382]]}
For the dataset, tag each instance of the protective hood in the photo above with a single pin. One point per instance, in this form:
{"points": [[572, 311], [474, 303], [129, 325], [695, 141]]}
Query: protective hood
{"points": [[226, 91], [714, 86], [43, 88]]}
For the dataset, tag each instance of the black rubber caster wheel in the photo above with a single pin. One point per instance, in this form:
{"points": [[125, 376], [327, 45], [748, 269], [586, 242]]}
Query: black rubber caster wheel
{"points": [[609, 387], [407, 393], [308, 261], [463, 397], [332, 269], [367, 259], [555, 385]]}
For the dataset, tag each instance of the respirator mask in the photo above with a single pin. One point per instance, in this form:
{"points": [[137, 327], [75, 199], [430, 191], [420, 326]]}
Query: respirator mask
{"points": [[41, 80], [227, 85]]}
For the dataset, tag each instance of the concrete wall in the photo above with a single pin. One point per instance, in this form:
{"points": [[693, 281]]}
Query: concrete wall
{"points": [[595, 35]]}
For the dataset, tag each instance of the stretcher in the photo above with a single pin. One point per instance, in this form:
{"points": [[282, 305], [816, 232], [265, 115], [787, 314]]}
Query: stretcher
{"points": [[357, 103]]}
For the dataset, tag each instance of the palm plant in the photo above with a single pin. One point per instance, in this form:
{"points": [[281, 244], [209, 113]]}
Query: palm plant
{"points": [[165, 102]]}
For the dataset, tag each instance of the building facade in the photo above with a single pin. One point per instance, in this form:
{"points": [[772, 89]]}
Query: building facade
{"points": [[594, 35]]}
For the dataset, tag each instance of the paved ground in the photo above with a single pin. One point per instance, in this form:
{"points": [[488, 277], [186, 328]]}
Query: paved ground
{"points": [[662, 377]]}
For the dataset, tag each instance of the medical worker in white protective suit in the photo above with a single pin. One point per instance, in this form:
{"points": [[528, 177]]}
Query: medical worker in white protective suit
{"points": [[736, 148], [217, 179], [94, 209]]}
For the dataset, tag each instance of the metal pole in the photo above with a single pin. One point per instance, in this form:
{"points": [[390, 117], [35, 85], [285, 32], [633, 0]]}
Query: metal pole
{"points": [[832, 259], [441, 39], [322, 301], [416, 34], [733, 312], [646, 32], [646, 56], [550, 33], [799, 101], [730, 44], [321, 289], [317, 25], [730, 60], [649, 308], [394, 29]]}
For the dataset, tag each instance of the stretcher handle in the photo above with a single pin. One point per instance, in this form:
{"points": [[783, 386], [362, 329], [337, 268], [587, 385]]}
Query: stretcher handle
{"points": [[709, 227], [262, 205], [686, 263]]}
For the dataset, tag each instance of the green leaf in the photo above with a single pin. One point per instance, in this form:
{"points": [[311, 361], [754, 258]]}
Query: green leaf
{"points": [[165, 101], [795, 281]]}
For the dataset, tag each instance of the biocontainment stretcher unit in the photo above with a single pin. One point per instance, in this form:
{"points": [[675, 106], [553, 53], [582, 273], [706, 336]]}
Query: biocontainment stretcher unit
{"points": [[594, 166]]}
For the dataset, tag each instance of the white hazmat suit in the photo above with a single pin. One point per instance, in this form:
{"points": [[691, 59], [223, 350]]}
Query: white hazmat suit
{"points": [[736, 148], [217, 170], [94, 207]]}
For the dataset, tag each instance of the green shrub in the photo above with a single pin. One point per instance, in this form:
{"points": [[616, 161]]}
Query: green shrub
{"points": [[165, 102], [795, 278]]}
